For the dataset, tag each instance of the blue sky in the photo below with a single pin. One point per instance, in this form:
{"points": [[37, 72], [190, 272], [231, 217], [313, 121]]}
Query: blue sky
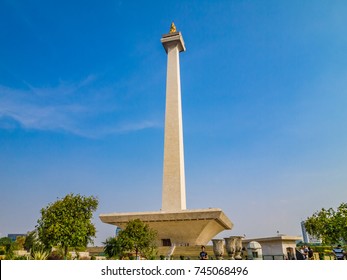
{"points": [[264, 93]]}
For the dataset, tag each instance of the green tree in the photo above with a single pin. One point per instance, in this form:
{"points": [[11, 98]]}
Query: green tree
{"points": [[137, 237], [20, 240], [30, 240], [32, 243], [112, 248], [328, 224], [67, 222], [341, 220], [6, 244]]}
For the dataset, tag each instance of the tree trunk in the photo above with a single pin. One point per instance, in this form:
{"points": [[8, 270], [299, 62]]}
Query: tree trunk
{"points": [[66, 248]]}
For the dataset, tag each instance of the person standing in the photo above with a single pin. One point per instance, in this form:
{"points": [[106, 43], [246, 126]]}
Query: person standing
{"points": [[310, 253], [338, 252], [303, 251], [306, 252], [203, 254]]}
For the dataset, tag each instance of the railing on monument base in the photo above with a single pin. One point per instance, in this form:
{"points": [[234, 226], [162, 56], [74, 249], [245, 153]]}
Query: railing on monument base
{"points": [[274, 257]]}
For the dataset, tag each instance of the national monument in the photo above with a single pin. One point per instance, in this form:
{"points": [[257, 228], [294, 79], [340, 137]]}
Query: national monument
{"points": [[175, 224]]}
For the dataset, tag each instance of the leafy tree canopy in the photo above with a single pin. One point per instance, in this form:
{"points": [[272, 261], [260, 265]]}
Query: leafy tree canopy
{"points": [[329, 224], [136, 238], [32, 242], [112, 248], [6, 243], [67, 222], [7, 246]]}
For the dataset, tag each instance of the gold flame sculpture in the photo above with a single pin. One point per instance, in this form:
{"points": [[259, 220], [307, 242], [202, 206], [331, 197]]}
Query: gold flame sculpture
{"points": [[173, 28]]}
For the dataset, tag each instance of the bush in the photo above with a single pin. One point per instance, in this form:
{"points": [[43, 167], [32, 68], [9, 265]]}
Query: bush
{"points": [[21, 258], [55, 255], [39, 254]]}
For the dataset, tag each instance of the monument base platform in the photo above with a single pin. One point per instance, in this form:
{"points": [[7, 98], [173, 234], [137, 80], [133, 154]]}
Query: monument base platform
{"points": [[182, 228]]}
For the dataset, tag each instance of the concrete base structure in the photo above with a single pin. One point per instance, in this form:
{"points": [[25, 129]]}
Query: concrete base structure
{"points": [[181, 228]]}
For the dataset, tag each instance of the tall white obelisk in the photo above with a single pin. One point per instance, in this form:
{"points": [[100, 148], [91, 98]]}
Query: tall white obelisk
{"points": [[174, 223], [174, 189]]}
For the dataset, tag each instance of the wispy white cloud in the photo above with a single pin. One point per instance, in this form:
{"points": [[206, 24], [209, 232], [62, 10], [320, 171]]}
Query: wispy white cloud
{"points": [[78, 108]]}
